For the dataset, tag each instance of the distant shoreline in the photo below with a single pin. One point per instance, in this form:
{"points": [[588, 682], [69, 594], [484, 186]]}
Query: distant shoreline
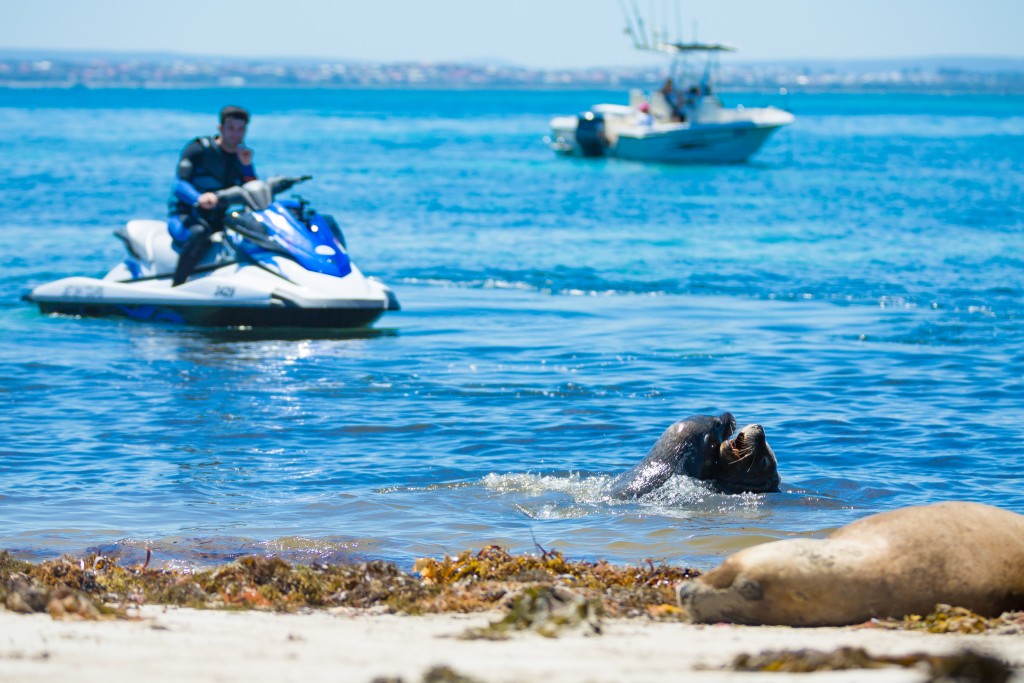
{"points": [[156, 71], [453, 87]]}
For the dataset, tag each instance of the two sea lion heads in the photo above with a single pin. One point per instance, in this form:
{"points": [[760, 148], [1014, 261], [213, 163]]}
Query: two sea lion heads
{"points": [[699, 446]]}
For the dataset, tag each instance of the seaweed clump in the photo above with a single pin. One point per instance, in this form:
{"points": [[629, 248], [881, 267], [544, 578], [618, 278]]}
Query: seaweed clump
{"points": [[96, 586], [644, 590], [962, 666], [949, 619], [272, 583], [436, 674], [103, 588], [547, 610], [27, 588]]}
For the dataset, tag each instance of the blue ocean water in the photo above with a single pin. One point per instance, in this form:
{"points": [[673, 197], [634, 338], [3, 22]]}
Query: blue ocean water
{"points": [[858, 289]]}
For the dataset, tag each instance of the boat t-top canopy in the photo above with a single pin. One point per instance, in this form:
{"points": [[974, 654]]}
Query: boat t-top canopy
{"points": [[676, 48], [643, 39]]}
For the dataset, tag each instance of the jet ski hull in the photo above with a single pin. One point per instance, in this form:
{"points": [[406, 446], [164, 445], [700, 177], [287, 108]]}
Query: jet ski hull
{"points": [[281, 315], [232, 296], [281, 265]]}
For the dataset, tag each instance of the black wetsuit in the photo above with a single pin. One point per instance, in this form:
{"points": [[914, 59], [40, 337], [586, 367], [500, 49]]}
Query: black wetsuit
{"points": [[207, 168]]}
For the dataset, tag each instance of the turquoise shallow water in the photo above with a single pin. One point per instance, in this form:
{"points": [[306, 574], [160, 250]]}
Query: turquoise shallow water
{"points": [[857, 290]]}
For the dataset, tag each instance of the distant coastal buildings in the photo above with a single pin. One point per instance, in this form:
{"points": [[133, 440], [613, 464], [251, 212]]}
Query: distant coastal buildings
{"points": [[159, 71]]}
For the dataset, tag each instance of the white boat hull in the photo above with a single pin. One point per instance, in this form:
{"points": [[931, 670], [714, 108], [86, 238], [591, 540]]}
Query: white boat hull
{"points": [[733, 137], [727, 144]]}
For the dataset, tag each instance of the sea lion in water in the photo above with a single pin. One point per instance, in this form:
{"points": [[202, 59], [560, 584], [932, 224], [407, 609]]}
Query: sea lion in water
{"points": [[697, 446], [688, 447], [887, 565], [747, 464]]}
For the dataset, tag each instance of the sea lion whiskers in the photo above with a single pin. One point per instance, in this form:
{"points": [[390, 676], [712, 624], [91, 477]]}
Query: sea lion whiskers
{"points": [[747, 464], [748, 453], [741, 448], [745, 451]]}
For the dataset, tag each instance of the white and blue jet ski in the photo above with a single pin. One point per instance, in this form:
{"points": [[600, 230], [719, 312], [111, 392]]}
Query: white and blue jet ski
{"points": [[277, 263]]}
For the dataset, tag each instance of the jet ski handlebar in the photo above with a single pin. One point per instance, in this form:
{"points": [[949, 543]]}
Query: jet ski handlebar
{"points": [[257, 194], [281, 183]]}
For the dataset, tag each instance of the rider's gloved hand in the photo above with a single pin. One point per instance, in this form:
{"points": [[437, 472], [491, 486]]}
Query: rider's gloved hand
{"points": [[207, 200], [245, 155]]}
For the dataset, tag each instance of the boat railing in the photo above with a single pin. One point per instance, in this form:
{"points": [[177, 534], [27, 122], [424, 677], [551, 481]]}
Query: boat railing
{"points": [[712, 111]]}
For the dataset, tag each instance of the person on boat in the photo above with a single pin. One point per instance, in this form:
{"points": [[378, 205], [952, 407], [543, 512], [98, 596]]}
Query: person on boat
{"points": [[643, 115], [207, 164], [672, 98]]}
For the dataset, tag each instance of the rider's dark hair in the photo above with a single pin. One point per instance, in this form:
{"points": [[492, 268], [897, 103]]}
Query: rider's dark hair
{"points": [[233, 112]]}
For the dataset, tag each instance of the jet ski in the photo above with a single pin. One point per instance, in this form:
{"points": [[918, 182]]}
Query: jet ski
{"points": [[277, 263]]}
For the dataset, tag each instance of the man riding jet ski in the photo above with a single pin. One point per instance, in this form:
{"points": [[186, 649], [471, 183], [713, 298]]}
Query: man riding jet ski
{"points": [[277, 263]]}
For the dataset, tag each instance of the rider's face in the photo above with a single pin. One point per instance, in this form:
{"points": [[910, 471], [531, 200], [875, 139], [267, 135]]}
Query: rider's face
{"points": [[232, 133]]}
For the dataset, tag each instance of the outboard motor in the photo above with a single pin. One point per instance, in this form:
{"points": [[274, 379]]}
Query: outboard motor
{"points": [[590, 134]]}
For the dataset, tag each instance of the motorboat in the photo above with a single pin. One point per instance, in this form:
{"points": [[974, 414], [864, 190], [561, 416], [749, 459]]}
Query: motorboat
{"points": [[277, 263], [685, 124]]}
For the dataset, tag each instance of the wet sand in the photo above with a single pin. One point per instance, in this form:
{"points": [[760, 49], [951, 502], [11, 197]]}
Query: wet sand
{"points": [[177, 644]]}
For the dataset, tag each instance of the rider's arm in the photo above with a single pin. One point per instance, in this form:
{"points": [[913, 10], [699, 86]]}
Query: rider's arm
{"points": [[186, 166], [184, 191], [183, 188]]}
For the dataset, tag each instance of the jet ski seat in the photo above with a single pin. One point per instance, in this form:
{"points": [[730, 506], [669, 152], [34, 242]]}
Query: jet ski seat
{"points": [[150, 242]]}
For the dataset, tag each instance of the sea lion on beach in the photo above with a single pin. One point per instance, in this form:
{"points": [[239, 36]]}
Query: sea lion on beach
{"points": [[697, 447], [887, 565]]}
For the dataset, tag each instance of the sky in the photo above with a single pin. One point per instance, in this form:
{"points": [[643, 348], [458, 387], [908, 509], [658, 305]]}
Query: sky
{"points": [[540, 33]]}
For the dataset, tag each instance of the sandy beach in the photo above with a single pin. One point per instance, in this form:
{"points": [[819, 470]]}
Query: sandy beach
{"points": [[178, 644]]}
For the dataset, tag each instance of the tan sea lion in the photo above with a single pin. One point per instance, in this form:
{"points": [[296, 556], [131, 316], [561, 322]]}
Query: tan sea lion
{"points": [[887, 565]]}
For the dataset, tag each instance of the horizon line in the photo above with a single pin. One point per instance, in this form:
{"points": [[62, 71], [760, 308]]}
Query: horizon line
{"points": [[68, 53]]}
